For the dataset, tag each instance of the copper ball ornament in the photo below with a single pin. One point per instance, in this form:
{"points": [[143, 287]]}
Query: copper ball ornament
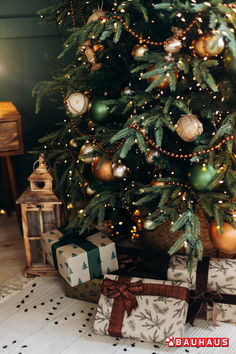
{"points": [[150, 155], [208, 45], [139, 50], [77, 103], [97, 13], [104, 172], [189, 127], [225, 241], [165, 83], [87, 148]]}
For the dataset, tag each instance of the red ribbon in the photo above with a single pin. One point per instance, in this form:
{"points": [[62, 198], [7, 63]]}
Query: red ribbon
{"points": [[124, 292]]}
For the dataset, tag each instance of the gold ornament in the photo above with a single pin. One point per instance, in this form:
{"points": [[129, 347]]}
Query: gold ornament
{"points": [[89, 191], [97, 13], [104, 172], [77, 103], [150, 154], [87, 148], [119, 170], [139, 50], [188, 127], [127, 91], [225, 242], [208, 45], [97, 46], [165, 83], [73, 143], [91, 57]]}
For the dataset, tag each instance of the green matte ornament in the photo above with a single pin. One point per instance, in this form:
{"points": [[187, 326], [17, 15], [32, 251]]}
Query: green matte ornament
{"points": [[201, 175], [229, 61], [99, 110]]}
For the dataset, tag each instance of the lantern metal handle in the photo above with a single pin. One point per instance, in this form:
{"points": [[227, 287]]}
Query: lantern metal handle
{"points": [[42, 162]]}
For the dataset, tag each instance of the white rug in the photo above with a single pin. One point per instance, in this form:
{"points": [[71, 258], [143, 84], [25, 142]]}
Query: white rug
{"points": [[40, 319]]}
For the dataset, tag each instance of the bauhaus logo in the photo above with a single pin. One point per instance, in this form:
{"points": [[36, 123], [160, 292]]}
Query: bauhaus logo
{"points": [[197, 342]]}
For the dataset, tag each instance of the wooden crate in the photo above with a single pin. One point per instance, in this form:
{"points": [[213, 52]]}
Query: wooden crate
{"points": [[11, 141]]}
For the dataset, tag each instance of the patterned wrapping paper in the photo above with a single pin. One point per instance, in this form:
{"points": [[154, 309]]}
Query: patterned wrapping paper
{"points": [[74, 263], [155, 317], [221, 278], [89, 291]]}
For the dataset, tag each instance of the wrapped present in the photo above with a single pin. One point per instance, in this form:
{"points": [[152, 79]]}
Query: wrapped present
{"points": [[89, 291], [132, 262], [212, 284], [145, 309], [79, 259]]}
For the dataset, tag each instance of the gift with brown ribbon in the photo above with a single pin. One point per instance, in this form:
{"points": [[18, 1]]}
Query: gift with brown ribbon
{"points": [[212, 287], [145, 309]]}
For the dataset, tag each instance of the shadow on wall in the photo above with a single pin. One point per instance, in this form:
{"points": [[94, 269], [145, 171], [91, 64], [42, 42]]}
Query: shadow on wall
{"points": [[23, 44]]}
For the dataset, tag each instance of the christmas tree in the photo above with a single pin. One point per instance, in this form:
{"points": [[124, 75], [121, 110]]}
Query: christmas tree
{"points": [[149, 130]]}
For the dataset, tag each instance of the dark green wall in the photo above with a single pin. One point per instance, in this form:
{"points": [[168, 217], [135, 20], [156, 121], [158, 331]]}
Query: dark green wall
{"points": [[23, 44]]}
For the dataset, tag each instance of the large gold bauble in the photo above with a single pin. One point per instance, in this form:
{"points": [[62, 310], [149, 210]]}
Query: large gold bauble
{"points": [[139, 50], [188, 127], [104, 172], [208, 45], [86, 149], [172, 45], [225, 242], [165, 83], [97, 13]]}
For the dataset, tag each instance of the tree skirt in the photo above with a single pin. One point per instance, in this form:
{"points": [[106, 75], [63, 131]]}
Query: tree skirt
{"points": [[40, 319]]}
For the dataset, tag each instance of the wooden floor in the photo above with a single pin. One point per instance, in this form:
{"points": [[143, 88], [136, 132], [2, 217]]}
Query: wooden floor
{"points": [[12, 254]]}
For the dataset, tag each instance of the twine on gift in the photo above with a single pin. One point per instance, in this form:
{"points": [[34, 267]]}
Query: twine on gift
{"points": [[124, 293]]}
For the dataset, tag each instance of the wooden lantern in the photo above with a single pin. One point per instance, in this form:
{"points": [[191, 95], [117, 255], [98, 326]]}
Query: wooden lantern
{"points": [[41, 212]]}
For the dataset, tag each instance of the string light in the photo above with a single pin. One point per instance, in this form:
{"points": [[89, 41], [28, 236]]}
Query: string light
{"points": [[149, 41], [180, 156]]}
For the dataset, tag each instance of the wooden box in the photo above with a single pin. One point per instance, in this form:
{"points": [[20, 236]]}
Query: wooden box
{"points": [[11, 142]]}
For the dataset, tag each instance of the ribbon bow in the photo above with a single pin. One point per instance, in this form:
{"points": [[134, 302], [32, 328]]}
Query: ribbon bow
{"points": [[197, 304], [125, 290]]}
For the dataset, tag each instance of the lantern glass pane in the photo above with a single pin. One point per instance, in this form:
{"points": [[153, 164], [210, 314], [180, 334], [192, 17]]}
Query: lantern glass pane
{"points": [[48, 220], [36, 252], [33, 223]]}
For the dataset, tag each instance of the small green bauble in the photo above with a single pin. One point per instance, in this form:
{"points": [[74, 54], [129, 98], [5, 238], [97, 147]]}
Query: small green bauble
{"points": [[99, 110], [201, 175]]}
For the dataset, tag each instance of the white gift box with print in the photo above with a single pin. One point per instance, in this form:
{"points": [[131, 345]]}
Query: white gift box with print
{"points": [[221, 278], [154, 318], [74, 263]]}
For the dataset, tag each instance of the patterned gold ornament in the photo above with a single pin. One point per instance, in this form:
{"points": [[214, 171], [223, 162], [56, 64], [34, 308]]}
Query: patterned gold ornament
{"points": [[104, 172], [208, 45], [139, 50], [150, 154], [188, 127], [86, 149], [97, 13], [165, 83], [119, 170], [172, 45], [77, 103]]}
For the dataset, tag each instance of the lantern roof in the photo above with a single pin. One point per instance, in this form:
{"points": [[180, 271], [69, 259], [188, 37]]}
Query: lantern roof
{"points": [[33, 197]]}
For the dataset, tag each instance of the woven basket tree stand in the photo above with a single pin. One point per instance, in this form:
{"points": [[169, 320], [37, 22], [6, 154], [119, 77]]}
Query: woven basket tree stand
{"points": [[161, 239]]}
